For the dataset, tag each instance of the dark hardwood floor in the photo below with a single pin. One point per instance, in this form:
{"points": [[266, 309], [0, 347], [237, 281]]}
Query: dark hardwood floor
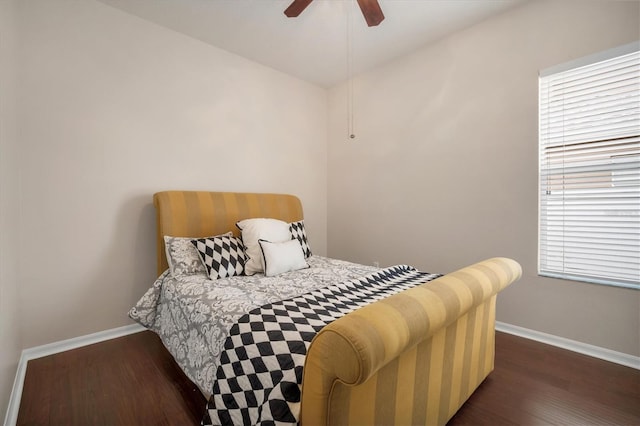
{"points": [[538, 384], [133, 380]]}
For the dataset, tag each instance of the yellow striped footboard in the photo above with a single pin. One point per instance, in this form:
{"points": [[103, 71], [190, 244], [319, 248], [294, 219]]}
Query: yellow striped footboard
{"points": [[411, 359]]}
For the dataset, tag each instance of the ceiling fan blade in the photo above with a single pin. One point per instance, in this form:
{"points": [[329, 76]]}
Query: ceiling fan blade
{"points": [[296, 8], [371, 11]]}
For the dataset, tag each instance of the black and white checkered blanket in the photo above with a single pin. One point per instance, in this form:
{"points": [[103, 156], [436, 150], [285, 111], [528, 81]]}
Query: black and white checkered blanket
{"points": [[260, 373]]}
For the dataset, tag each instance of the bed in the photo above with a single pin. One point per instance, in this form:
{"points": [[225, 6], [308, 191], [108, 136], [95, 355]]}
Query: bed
{"points": [[321, 342]]}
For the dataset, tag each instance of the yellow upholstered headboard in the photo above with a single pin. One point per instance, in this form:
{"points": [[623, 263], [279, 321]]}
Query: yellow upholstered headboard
{"points": [[203, 214]]}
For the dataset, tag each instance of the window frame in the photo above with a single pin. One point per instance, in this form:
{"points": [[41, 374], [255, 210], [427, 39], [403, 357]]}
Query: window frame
{"points": [[552, 71]]}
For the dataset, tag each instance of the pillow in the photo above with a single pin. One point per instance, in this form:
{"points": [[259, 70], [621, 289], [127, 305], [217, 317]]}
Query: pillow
{"points": [[253, 230], [299, 233], [223, 256], [182, 256], [282, 257]]}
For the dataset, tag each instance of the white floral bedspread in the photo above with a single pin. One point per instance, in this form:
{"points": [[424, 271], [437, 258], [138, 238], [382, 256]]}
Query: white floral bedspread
{"points": [[193, 314]]}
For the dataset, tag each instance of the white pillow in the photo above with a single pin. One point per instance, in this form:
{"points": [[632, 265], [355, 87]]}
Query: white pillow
{"points": [[253, 230], [282, 257]]}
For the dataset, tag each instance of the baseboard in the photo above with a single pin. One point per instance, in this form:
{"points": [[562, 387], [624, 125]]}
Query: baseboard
{"points": [[53, 348], [572, 345], [11, 417]]}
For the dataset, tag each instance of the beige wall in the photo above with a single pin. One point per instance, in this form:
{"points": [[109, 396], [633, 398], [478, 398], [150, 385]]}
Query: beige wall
{"points": [[10, 343], [112, 109], [443, 171]]}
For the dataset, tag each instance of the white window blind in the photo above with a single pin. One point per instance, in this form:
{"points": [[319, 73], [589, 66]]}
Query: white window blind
{"points": [[589, 130]]}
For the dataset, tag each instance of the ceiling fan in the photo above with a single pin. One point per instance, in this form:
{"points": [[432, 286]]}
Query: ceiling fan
{"points": [[370, 9]]}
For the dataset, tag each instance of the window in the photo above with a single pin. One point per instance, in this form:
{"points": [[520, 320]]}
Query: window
{"points": [[589, 188]]}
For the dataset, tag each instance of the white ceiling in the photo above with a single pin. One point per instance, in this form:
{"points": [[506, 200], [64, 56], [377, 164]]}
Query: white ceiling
{"points": [[313, 46]]}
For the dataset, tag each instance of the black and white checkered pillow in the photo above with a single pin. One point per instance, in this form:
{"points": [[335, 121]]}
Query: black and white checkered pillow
{"points": [[222, 256], [298, 232]]}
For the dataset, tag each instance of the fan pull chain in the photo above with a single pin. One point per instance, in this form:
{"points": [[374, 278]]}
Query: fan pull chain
{"points": [[350, 119]]}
